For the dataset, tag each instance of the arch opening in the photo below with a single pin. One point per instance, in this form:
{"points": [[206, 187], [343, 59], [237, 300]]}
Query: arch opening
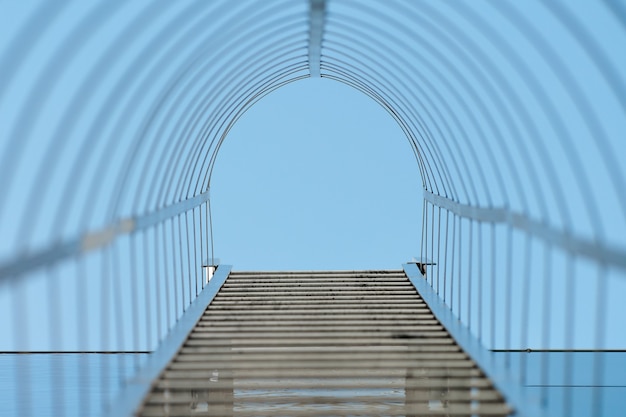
{"points": [[316, 175]]}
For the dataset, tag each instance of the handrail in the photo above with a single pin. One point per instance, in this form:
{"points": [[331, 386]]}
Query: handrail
{"points": [[506, 381], [136, 389], [579, 246], [94, 240]]}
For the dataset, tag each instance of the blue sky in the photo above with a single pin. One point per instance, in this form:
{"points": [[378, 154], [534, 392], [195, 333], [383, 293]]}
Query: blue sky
{"points": [[315, 175], [308, 182]]}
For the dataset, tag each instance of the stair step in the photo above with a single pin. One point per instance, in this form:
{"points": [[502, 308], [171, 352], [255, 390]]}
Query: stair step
{"points": [[304, 343]]}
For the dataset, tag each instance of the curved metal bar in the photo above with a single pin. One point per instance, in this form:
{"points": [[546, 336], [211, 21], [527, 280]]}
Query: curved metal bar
{"points": [[137, 143], [77, 104], [481, 65], [442, 62], [29, 34], [251, 100], [194, 114], [148, 121], [272, 62], [392, 96], [343, 70], [245, 62], [35, 99], [411, 116], [347, 77], [120, 123], [613, 79], [451, 89], [359, 87], [563, 74], [401, 72]]}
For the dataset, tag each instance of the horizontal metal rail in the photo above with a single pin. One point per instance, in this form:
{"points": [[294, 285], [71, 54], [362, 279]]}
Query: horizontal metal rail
{"points": [[598, 251], [94, 240], [139, 386], [245, 367], [499, 374]]}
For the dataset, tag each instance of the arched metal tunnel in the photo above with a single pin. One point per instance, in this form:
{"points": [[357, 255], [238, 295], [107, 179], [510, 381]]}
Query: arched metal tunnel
{"points": [[112, 115]]}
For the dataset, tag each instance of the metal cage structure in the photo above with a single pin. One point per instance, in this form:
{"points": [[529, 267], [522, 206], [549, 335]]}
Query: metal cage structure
{"points": [[112, 115]]}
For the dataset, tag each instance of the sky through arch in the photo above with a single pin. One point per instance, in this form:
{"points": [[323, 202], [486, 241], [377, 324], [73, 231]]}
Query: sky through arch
{"points": [[316, 175]]}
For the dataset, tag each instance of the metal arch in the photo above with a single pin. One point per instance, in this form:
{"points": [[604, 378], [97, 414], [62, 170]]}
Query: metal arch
{"points": [[400, 75], [109, 103], [191, 76], [560, 70], [244, 64], [341, 67], [530, 79], [406, 123], [342, 74], [349, 81], [29, 34], [344, 70], [372, 79], [31, 110], [275, 33], [141, 147], [281, 75], [279, 78], [479, 67], [381, 16], [460, 98], [276, 64], [391, 103], [347, 60], [521, 110], [148, 120], [195, 114], [610, 74], [200, 38]]}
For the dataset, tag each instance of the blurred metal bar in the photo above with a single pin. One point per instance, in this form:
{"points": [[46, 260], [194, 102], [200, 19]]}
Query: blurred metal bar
{"points": [[94, 240], [139, 386], [598, 251], [501, 377]]}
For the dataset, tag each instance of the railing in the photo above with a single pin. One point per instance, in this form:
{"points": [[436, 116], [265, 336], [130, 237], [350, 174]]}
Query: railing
{"points": [[521, 287], [86, 312], [516, 116], [112, 115]]}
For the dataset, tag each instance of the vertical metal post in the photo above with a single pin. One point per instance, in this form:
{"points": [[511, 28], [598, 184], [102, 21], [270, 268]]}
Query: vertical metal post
{"points": [[174, 270], [445, 256]]}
